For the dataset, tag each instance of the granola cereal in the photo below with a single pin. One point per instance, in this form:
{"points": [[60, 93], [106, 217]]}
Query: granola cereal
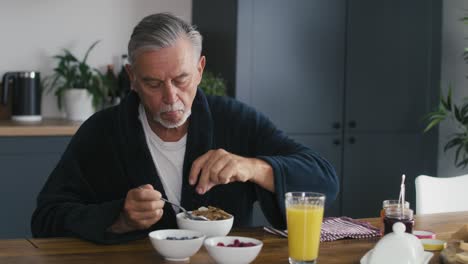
{"points": [[212, 213]]}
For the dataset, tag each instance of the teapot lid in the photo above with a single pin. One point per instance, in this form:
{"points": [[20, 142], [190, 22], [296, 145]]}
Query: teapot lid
{"points": [[398, 247]]}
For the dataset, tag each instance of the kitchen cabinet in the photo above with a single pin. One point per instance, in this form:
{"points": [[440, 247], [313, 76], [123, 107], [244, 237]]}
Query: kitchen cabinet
{"points": [[392, 69], [350, 79], [25, 164]]}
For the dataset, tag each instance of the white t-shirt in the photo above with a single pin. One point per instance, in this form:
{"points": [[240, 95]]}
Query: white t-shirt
{"points": [[168, 158]]}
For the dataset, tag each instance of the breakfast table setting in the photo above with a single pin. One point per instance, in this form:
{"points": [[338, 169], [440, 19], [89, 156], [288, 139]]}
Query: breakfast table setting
{"points": [[274, 248]]}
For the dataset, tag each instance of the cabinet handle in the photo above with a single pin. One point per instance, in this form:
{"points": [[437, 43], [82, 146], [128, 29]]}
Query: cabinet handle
{"points": [[352, 140], [336, 125], [336, 142], [352, 124]]}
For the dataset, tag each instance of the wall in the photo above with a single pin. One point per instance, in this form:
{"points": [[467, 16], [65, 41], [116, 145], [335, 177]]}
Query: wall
{"points": [[33, 31], [454, 72]]}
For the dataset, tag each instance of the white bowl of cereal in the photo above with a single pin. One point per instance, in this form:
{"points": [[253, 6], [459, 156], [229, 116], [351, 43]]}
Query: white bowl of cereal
{"points": [[219, 223]]}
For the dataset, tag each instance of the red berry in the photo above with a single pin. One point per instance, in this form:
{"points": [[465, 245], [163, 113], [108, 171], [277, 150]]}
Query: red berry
{"points": [[220, 244]]}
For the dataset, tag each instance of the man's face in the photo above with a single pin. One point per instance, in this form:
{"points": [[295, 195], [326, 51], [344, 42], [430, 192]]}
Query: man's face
{"points": [[166, 81]]}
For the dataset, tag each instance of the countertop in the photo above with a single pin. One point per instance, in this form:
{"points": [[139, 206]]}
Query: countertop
{"points": [[47, 127]]}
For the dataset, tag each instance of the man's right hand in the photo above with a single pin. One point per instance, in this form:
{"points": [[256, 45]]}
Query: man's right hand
{"points": [[143, 208]]}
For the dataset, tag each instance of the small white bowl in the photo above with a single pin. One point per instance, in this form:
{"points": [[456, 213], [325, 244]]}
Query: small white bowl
{"points": [[232, 255], [209, 228], [176, 250]]}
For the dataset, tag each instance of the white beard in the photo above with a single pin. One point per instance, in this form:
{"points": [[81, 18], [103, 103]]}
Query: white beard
{"points": [[178, 106], [166, 124]]}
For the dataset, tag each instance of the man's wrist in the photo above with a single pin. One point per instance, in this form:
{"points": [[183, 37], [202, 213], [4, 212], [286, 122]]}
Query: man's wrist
{"points": [[262, 174], [120, 226]]}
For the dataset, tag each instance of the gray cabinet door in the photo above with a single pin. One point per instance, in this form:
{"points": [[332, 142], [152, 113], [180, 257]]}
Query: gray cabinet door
{"points": [[291, 62], [391, 50], [373, 165], [25, 164]]}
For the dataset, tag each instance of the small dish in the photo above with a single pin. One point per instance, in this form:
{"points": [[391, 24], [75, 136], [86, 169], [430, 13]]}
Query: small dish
{"points": [[232, 255], [176, 244], [433, 244]]}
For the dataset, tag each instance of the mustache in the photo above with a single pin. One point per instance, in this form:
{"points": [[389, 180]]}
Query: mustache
{"points": [[177, 106]]}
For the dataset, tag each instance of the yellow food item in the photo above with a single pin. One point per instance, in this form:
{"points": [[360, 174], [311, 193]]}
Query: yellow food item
{"points": [[463, 246], [462, 257], [304, 224]]}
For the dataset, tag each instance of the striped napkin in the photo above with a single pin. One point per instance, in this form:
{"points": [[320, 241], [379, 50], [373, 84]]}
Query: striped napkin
{"points": [[334, 228]]}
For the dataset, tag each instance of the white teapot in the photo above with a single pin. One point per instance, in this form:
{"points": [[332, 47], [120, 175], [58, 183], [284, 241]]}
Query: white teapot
{"points": [[397, 247]]}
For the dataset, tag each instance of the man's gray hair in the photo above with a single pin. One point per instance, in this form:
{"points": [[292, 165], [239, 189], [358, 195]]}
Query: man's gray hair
{"points": [[161, 31]]}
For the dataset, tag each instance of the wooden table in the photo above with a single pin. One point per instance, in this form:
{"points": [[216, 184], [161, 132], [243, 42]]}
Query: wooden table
{"points": [[275, 250]]}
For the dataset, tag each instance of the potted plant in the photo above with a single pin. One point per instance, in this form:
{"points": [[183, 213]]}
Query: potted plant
{"points": [[212, 84], [459, 115], [80, 88]]}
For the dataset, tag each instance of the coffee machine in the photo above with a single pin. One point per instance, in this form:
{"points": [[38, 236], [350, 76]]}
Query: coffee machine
{"points": [[25, 87]]}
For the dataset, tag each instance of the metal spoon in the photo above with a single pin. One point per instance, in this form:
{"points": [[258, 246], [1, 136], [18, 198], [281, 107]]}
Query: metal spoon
{"points": [[187, 213], [275, 231]]}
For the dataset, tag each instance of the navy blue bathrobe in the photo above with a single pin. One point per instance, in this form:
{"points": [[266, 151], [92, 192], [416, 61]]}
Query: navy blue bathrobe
{"points": [[108, 156]]}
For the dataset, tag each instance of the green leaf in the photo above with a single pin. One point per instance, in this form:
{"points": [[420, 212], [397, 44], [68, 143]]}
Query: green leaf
{"points": [[462, 164], [457, 153], [435, 115], [432, 124], [464, 110], [69, 56], [444, 104], [449, 98], [458, 117], [452, 143], [89, 50]]}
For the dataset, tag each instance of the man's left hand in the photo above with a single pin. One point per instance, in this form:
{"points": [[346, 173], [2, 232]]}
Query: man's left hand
{"points": [[222, 167]]}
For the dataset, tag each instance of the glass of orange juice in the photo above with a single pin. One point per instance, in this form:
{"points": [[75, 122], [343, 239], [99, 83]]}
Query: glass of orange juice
{"points": [[304, 214]]}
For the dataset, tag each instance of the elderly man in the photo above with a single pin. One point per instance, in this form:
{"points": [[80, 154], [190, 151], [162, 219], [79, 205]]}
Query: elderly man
{"points": [[168, 139]]}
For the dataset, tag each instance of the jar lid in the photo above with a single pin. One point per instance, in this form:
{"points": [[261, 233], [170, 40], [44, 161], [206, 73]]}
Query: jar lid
{"points": [[424, 234]]}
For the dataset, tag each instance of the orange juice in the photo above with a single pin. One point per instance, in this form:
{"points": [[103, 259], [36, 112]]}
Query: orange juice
{"points": [[304, 222]]}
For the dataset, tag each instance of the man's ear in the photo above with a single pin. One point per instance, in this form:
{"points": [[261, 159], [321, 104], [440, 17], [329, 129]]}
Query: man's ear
{"points": [[129, 70], [201, 67]]}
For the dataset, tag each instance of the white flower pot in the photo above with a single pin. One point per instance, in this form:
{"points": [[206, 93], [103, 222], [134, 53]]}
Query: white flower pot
{"points": [[78, 104]]}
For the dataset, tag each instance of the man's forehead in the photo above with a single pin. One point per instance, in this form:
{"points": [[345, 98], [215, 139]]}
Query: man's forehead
{"points": [[165, 59]]}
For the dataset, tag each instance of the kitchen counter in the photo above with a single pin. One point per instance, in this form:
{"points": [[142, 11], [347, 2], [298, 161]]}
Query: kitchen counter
{"points": [[47, 127]]}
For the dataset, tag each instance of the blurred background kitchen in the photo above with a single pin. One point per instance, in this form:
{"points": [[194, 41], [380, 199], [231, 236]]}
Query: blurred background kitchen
{"points": [[353, 80]]}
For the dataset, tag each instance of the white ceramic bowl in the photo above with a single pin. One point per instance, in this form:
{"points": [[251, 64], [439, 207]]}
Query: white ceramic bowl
{"points": [[232, 255], [176, 250], [209, 228]]}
